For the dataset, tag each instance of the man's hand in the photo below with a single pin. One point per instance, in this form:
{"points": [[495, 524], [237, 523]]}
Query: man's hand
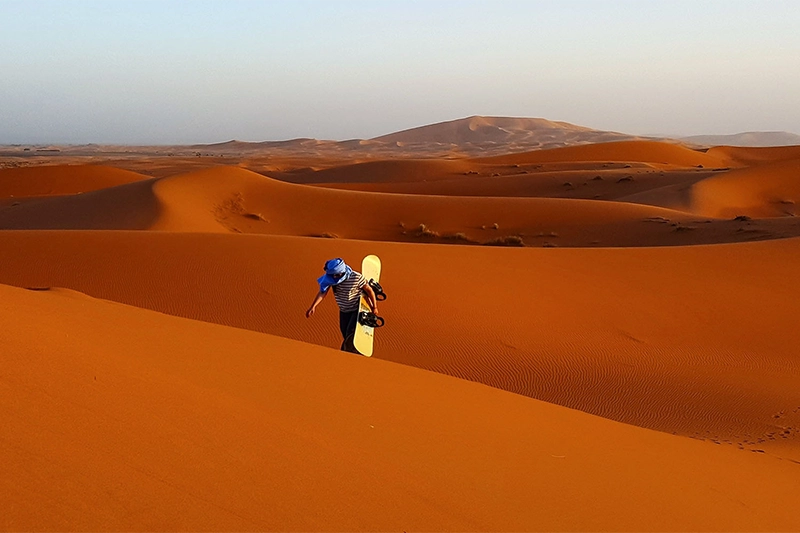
{"points": [[371, 300], [317, 299]]}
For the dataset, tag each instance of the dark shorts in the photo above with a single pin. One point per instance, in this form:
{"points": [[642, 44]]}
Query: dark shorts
{"points": [[347, 325]]}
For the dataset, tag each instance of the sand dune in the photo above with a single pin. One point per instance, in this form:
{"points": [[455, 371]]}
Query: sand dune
{"points": [[136, 420], [129, 206], [679, 361], [647, 155], [61, 179], [505, 130], [229, 199], [693, 340], [659, 154], [743, 156], [607, 184], [769, 190], [391, 171]]}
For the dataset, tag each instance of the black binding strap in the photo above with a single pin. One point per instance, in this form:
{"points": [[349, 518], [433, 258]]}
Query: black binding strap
{"points": [[379, 294], [365, 318]]}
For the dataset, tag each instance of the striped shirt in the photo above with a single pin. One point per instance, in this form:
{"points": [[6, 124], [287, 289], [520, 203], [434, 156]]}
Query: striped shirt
{"points": [[348, 292]]}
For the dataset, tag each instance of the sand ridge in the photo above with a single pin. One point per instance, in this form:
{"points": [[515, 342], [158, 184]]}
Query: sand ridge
{"points": [[765, 191], [250, 430], [631, 343], [751, 156], [54, 180], [660, 154], [232, 199]]}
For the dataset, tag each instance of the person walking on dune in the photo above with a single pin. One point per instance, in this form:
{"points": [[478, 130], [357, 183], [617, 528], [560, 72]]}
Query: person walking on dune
{"points": [[347, 285]]}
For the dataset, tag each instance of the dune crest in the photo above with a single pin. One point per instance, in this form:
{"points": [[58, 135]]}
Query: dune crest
{"points": [[768, 190], [54, 180], [235, 200], [393, 171], [614, 332], [128, 206], [653, 152], [745, 156]]}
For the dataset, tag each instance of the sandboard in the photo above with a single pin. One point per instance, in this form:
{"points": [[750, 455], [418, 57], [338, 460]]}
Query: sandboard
{"points": [[365, 335]]}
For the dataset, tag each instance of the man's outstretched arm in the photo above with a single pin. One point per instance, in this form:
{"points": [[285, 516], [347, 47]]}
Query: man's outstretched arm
{"points": [[317, 299]]}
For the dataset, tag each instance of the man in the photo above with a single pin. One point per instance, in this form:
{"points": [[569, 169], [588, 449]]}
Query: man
{"points": [[347, 285]]}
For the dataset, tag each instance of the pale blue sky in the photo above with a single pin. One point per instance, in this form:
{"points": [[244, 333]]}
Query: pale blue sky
{"points": [[206, 71]]}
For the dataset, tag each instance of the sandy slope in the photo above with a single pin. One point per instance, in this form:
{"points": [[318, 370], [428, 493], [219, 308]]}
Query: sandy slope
{"points": [[117, 418], [128, 206], [769, 190], [383, 171], [224, 199], [658, 154], [589, 184], [54, 180], [594, 158], [231, 199], [751, 156], [694, 340]]}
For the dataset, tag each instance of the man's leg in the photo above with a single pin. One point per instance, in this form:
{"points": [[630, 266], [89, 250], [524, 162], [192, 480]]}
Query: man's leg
{"points": [[344, 323], [347, 325]]}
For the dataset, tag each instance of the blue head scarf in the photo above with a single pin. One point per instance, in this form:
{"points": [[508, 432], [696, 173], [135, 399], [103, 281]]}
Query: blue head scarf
{"points": [[333, 267]]}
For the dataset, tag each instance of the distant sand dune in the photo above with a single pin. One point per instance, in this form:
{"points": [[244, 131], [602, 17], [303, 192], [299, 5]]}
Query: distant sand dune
{"points": [[769, 190], [660, 154], [743, 156], [230, 199], [392, 171], [613, 183], [234, 200]]}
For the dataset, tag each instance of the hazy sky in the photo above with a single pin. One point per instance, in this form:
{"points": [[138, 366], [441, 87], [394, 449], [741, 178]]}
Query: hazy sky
{"points": [[208, 71]]}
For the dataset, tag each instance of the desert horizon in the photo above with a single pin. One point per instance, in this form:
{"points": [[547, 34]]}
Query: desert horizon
{"points": [[512, 132], [597, 336]]}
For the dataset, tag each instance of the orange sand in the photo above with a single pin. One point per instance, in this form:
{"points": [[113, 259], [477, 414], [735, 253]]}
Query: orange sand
{"points": [[61, 179], [633, 366], [769, 190], [656, 153], [123, 419]]}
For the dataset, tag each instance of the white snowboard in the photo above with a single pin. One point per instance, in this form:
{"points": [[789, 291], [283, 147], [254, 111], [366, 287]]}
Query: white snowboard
{"points": [[365, 335]]}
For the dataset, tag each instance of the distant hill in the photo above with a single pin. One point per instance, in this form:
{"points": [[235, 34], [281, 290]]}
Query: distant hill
{"points": [[750, 138], [507, 130], [475, 136], [480, 135]]}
